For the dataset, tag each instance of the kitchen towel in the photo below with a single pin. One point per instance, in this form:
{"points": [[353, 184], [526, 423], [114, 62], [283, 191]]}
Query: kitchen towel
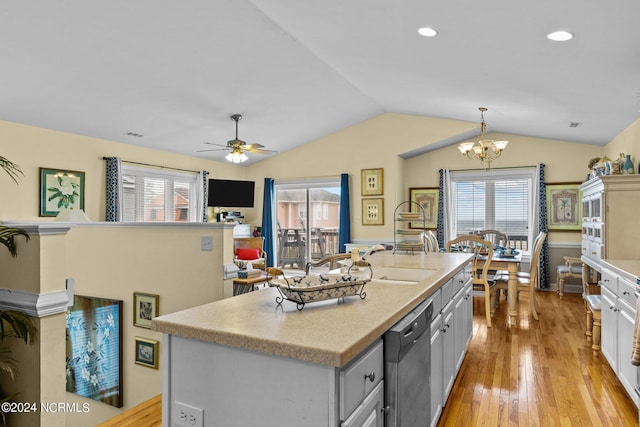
{"points": [[635, 352]]}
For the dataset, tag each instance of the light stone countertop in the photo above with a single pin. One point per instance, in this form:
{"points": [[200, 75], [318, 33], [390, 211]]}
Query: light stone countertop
{"points": [[330, 332]]}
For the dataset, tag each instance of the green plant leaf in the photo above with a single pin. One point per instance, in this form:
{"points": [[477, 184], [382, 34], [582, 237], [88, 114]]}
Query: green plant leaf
{"points": [[7, 238]]}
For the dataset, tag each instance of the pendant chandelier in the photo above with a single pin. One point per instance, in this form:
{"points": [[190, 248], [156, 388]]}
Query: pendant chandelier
{"points": [[486, 150]]}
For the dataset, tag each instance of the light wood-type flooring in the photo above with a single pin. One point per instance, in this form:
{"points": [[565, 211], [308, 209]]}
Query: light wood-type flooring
{"points": [[536, 373], [531, 373]]}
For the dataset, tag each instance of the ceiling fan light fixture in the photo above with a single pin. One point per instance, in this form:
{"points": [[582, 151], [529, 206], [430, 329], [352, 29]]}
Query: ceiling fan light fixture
{"points": [[236, 156]]}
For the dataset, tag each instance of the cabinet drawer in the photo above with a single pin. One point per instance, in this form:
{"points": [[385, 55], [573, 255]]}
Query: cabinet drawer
{"points": [[626, 291], [448, 291], [458, 281], [436, 301], [354, 385], [610, 281]]}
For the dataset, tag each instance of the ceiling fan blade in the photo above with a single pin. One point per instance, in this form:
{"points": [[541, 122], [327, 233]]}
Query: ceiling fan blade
{"points": [[213, 143], [259, 151], [251, 146], [214, 149]]}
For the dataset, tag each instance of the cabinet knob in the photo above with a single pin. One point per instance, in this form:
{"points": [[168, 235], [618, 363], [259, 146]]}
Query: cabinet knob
{"points": [[371, 376]]}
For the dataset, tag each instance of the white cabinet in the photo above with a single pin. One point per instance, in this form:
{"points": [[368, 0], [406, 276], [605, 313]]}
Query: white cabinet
{"points": [[610, 205], [451, 331], [359, 379], [618, 319], [369, 413]]}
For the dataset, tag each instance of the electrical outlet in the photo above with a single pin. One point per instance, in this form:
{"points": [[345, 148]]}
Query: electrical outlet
{"points": [[187, 416], [206, 243]]}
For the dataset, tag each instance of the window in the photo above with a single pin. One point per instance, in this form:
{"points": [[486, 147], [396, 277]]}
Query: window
{"points": [[307, 221], [158, 195], [497, 199]]}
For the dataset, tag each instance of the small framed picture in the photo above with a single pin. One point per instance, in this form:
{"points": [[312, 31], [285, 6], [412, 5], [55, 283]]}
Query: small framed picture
{"points": [[372, 182], [147, 352], [564, 207], [373, 211], [427, 198], [60, 190], [145, 308]]}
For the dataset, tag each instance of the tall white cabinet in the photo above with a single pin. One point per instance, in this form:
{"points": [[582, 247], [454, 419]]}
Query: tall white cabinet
{"points": [[610, 233], [610, 208]]}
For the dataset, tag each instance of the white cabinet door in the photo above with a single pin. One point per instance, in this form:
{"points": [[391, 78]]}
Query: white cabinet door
{"points": [[609, 341], [369, 413], [459, 328], [627, 373], [468, 311], [437, 385], [448, 362]]}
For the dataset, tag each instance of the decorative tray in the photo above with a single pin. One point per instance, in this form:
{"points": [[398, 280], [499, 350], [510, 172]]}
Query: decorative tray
{"points": [[316, 287], [410, 215]]}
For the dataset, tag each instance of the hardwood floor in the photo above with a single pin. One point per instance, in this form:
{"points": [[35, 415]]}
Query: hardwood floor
{"points": [[536, 373], [533, 373]]}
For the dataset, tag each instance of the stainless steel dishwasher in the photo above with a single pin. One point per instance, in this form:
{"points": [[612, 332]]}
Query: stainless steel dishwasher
{"points": [[407, 350]]}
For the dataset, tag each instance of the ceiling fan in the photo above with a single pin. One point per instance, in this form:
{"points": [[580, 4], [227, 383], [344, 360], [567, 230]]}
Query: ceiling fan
{"points": [[237, 146]]}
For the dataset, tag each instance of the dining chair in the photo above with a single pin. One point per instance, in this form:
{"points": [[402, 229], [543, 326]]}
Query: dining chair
{"points": [[326, 264], [593, 306], [433, 241], [572, 268], [249, 250], [498, 238], [483, 254], [527, 281]]}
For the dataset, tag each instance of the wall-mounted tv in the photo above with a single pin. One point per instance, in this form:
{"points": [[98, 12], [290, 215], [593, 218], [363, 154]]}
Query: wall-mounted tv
{"points": [[228, 193]]}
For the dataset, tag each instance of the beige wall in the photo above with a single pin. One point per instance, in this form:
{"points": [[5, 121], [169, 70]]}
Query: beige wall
{"points": [[627, 142], [33, 148]]}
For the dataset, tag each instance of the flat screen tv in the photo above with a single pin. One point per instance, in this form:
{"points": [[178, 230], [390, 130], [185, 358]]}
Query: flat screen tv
{"points": [[228, 193]]}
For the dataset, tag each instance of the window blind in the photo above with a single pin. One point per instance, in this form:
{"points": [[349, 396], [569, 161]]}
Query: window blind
{"points": [[158, 195]]}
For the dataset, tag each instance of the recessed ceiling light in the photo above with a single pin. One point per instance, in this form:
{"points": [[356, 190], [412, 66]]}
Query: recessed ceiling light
{"points": [[560, 36], [427, 32]]}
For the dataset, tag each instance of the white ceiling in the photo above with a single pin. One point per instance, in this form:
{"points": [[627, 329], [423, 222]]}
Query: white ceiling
{"points": [[174, 71]]}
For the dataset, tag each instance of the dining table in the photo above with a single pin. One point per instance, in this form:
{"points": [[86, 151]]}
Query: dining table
{"points": [[510, 263]]}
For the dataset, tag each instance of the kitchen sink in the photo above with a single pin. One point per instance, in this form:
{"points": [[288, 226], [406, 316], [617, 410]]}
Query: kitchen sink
{"points": [[397, 275]]}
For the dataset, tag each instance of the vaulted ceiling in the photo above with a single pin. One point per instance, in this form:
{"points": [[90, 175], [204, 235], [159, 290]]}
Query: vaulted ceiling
{"points": [[174, 71]]}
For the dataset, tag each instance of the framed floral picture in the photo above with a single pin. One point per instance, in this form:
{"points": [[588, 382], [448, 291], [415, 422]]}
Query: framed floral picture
{"points": [[564, 207], [145, 308], [427, 198], [372, 182], [373, 211], [94, 349], [59, 190], [147, 352]]}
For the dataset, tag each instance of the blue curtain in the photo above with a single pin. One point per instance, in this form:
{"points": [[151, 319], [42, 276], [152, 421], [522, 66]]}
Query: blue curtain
{"points": [[113, 186], [440, 224], [544, 226], [267, 222], [344, 235]]}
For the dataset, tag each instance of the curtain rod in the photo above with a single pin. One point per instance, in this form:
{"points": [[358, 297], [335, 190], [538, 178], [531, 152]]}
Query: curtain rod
{"points": [[489, 170], [154, 166]]}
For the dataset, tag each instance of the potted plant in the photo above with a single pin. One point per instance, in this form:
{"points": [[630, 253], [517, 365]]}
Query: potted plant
{"points": [[13, 324]]}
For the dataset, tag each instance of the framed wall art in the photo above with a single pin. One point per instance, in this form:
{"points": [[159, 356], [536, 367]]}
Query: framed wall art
{"points": [[59, 190], [373, 211], [147, 352], [145, 308], [427, 198], [564, 207], [94, 349], [372, 182]]}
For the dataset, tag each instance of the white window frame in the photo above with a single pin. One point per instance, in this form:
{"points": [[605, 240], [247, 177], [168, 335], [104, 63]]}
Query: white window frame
{"points": [[170, 177], [528, 174]]}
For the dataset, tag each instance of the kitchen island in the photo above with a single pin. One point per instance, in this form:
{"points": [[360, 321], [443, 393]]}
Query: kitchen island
{"points": [[247, 360]]}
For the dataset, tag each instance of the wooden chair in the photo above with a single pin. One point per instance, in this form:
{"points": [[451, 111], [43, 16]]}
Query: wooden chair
{"points": [[497, 238], [326, 264], [482, 286], [432, 241], [249, 249], [527, 281], [593, 307], [572, 268]]}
